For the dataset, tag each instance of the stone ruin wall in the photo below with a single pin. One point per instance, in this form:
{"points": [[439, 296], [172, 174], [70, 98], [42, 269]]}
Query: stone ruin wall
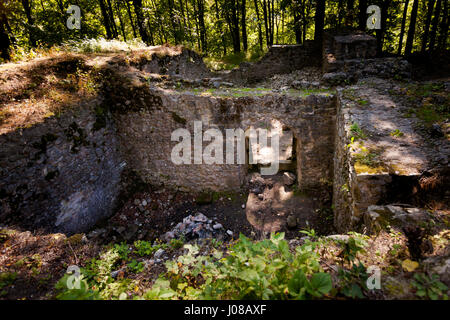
{"points": [[147, 145], [280, 59], [66, 173], [60, 175], [352, 193]]}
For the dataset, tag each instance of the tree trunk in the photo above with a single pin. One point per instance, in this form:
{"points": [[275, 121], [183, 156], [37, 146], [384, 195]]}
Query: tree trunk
{"points": [[272, 22], [201, 21], [140, 20], [319, 21], [27, 8], [112, 21], [130, 16], [122, 25], [380, 33], [427, 24], [244, 26], [402, 30], [412, 28], [219, 23], [305, 13], [266, 23], [435, 23], [442, 44], [349, 16], [362, 14], [105, 20], [173, 21], [260, 37], [5, 42], [233, 23], [297, 22]]}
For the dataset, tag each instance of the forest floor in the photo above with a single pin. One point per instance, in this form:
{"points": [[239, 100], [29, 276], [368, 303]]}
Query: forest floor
{"points": [[126, 253]]}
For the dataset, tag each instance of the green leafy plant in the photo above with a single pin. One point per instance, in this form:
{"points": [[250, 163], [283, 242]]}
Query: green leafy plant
{"points": [[396, 133], [176, 243], [122, 250], [6, 279], [96, 281], [352, 246], [252, 270], [353, 281], [145, 248], [429, 287], [357, 132], [136, 266]]}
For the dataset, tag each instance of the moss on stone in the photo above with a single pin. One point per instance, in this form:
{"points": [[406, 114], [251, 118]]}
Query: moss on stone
{"points": [[177, 118], [364, 168]]}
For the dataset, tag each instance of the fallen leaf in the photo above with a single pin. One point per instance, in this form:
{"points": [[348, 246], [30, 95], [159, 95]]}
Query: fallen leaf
{"points": [[409, 265]]}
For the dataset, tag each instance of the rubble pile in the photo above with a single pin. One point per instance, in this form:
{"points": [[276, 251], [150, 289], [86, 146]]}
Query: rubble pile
{"points": [[197, 227]]}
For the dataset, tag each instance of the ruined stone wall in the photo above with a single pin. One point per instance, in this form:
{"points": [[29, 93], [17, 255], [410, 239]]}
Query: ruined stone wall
{"points": [[146, 136], [59, 175], [353, 192], [349, 55], [279, 59], [342, 198]]}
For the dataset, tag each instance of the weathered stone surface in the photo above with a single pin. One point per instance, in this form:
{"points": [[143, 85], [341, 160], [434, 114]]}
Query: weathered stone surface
{"points": [[378, 217], [61, 175], [439, 265], [288, 178], [377, 167], [310, 118], [291, 222], [335, 78], [280, 59]]}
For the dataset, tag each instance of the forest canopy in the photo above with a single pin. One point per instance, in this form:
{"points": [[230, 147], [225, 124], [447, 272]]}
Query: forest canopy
{"points": [[219, 28]]}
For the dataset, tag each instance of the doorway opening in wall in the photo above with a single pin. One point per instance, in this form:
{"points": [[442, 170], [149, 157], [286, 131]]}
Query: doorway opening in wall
{"points": [[275, 202]]}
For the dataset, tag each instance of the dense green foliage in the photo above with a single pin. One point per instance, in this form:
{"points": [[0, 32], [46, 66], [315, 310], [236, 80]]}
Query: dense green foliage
{"points": [[219, 27], [267, 269]]}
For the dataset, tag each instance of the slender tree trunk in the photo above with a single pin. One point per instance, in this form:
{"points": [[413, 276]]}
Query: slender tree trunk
{"points": [[27, 8], [339, 13], [319, 21], [427, 24], [260, 37], [201, 20], [233, 22], [380, 33], [442, 43], [297, 22], [197, 28], [435, 23], [122, 25], [244, 25], [189, 23], [412, 28], [305, 14], [112, 21], [402, 29], [219, 23], [266, 23], [184, 17], [272, 22], [106, 20], [173, 21], [349, 16], [161, 33], [362, 14], [5, 42], [130, 16], [140, 20], [150, 32]]}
